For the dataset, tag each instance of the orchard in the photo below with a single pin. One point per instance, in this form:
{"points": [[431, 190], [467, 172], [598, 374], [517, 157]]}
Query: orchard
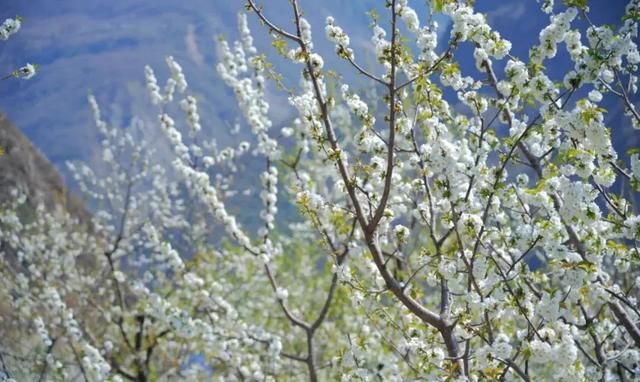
{"points": [[444, 226]]}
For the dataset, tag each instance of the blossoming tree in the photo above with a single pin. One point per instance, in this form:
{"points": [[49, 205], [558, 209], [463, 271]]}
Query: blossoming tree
{"points": [[462, 227]]}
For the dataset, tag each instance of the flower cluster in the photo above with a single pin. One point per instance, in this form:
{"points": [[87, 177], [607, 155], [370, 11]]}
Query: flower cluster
{"points": [[427, 41], [176, 74], [408, 15], [26, 72], [554, 33], [190, 106], [269, 196], [336, 35], [152, 86], [9, 27], [357, 106]]}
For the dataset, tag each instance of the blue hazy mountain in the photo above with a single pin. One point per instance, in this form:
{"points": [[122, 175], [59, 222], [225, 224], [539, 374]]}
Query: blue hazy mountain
{"points": [[102, 47]]}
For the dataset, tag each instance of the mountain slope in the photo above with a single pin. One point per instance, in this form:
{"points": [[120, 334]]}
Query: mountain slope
{"points": [[23, 167]]}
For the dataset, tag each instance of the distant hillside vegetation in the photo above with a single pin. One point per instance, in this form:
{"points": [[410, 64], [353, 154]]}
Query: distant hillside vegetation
{"points": [[23, 167]]}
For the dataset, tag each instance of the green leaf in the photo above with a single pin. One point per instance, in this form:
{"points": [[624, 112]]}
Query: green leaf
{"points": [[279, 44], [580, 4], [537, 189], [374, 15]]}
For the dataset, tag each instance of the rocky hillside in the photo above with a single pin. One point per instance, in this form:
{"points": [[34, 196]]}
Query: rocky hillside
{"points": [[23, 167]]}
